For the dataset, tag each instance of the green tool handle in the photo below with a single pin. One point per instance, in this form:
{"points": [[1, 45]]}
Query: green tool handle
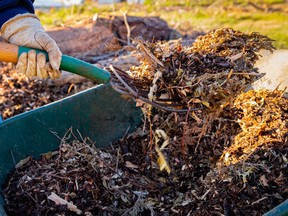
{"points": [[11, 53]]}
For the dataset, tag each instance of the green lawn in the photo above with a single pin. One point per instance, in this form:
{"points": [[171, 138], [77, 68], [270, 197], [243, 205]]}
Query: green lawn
{"points": [[269, 18]]}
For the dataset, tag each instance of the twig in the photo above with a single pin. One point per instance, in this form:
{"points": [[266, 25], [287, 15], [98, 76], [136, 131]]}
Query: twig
{"points": [[205, 194], [106, 56], [31, 197], [135, 94], [80, 135], [252, 73], [148, 53], [184, 132], [259, 200], [117, 160], [13, 158], [127, 26], [123, 82]]}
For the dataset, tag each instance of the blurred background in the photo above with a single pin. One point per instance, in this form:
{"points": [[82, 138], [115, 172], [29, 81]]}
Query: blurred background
{"points": [[268, 17]]}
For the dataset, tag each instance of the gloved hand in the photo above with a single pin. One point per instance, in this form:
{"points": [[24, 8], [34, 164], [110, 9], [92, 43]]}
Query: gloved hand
{"points": [[26, 30]]}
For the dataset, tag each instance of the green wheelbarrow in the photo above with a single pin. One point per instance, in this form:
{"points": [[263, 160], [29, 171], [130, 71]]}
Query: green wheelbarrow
{"points": [[99, 113]]}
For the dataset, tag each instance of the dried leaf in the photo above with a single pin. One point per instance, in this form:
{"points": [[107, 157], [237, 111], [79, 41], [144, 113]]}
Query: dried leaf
{"points": [[235, 57], [162, 162], [194, 116], [49, 155], [205, 103], [183, 92], [161, 133], [130, 165], [22, 162], [59, 201], [264, 181], [139, 103]]}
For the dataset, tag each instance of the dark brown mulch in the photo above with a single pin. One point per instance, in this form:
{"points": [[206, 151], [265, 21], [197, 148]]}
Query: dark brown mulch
{"points": [[126, 180], [20, 94]]}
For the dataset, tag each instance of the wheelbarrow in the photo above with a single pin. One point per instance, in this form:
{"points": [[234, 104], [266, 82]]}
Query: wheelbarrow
{"points": [[99, 113]]}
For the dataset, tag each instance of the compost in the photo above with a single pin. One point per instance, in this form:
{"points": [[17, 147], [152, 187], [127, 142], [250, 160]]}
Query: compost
{"points": [[205, 146], [20, 94]]}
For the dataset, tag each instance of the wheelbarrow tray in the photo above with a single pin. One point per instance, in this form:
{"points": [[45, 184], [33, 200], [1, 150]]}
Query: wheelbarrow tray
{"points": [[39, 131]]}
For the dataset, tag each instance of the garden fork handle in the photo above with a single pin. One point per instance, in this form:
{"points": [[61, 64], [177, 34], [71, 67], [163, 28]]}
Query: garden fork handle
{"points": [[11, 53]]}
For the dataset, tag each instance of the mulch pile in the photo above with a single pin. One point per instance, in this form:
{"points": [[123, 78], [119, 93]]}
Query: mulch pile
{"points": [[215, 68], [219, 152]]}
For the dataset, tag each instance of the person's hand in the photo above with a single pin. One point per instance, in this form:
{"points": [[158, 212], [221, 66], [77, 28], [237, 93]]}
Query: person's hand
{"points": [[26, 30]]}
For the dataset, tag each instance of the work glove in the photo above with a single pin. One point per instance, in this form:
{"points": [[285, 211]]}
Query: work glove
{"points": [[26, 30]]}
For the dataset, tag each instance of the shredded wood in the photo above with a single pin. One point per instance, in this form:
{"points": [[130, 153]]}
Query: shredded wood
{"points": [[263, 121]]}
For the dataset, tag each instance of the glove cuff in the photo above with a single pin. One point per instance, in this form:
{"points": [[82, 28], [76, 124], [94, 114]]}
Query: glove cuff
{"points": [[18, 23]]}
